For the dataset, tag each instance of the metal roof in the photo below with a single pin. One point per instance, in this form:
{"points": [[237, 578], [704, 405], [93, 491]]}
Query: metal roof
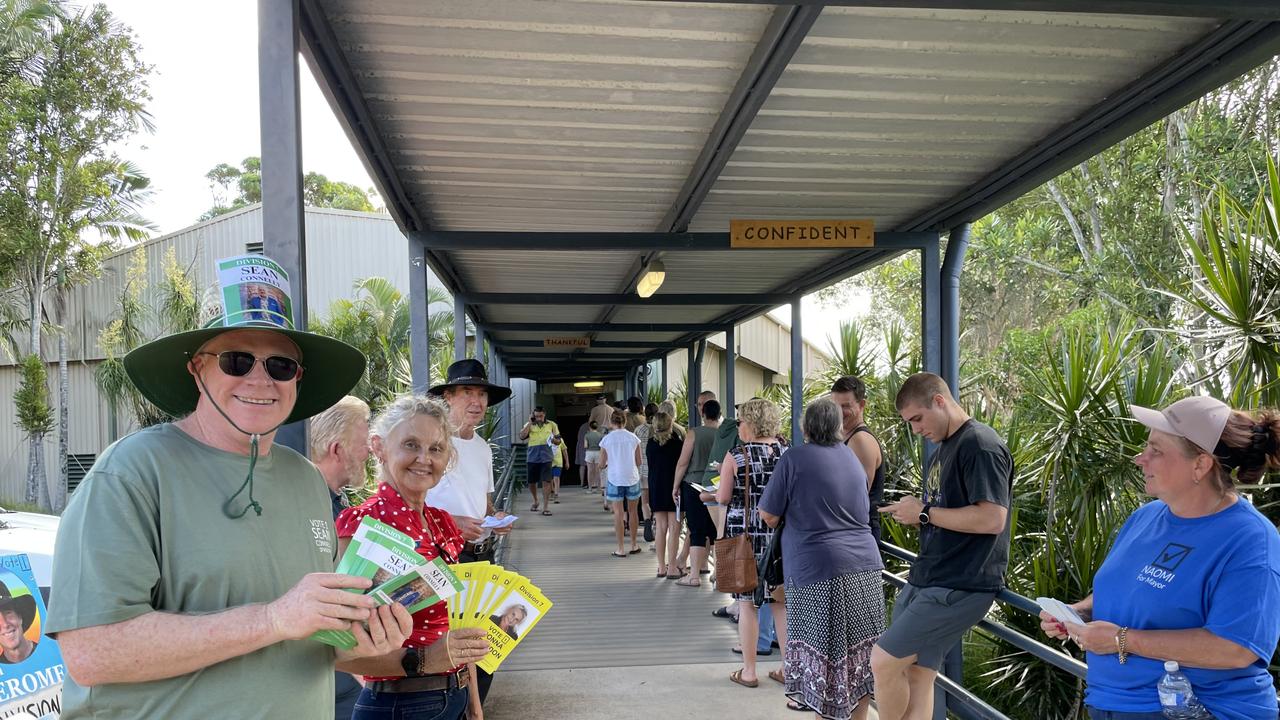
{"points": [[587, 121]]}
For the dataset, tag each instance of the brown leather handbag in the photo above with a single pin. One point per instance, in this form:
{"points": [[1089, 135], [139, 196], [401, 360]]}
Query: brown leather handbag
{"points": [[736, 558]]}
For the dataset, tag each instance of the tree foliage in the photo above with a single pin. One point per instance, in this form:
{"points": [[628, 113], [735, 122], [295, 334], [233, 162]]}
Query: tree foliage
{"points": [[235, 187]]}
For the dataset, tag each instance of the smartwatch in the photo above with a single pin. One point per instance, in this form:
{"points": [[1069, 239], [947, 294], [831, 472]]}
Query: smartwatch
{"points": [[924, 514], [410, 661]]}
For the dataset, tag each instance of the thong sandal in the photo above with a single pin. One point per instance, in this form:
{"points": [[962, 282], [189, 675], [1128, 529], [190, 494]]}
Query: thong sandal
{"points": [[633, 550], [676, 575], [776, 675], [736, 676], [534, 508], [618, 554], [684, 583], [547, 513], [798, 707]]}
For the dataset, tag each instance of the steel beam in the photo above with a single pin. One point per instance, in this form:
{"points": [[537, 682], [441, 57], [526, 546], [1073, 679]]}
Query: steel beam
{"points": [[337, 82], [605, 327], [781, 38], [603, 344], [675, 299], [666, 382], [1219, 57], [1235, 9], [797, 372], [629, 242], [280, 119], [419, 328], [560, 356], [477, 350], [957, 243]]}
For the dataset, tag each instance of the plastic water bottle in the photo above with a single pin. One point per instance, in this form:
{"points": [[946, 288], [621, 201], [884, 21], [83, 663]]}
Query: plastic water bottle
{"points": [[1177, 700]]}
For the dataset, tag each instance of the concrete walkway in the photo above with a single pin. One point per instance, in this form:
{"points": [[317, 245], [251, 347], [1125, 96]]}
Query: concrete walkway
{"points": [[618, 643]]}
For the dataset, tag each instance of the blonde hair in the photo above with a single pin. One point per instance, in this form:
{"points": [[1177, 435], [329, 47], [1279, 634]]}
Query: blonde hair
{"points": [[762, 415], [407, 407], [663, 427], [335, 424]]}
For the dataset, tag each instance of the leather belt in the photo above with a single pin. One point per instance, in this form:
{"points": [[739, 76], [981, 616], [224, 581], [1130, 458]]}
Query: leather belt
{"points": [[481, 548], [426, 683]]}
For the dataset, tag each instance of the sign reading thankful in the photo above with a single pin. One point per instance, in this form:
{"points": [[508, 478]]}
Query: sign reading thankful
{"points": [[566, 342], [801, 233]]}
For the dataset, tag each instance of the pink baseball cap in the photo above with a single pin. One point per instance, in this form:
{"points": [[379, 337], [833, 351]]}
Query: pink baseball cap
{"points": [[1198, 419]]}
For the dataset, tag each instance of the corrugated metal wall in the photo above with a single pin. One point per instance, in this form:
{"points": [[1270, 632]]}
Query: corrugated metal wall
{"points": [[342, 247]]}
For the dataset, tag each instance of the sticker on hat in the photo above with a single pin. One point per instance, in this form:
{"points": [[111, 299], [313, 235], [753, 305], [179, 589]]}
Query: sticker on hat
{"points": [[254, 288]]}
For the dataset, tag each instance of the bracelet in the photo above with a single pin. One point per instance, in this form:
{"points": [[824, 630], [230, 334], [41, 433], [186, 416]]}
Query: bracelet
{"points": [[1122, 636]]}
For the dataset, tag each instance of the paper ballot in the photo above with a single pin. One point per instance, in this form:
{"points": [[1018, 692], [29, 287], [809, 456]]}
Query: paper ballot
{"points": [[1059, 610]]}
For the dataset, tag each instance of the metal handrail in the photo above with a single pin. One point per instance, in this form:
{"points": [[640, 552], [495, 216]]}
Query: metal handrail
{"points": [[975, 707], [503, 497]]}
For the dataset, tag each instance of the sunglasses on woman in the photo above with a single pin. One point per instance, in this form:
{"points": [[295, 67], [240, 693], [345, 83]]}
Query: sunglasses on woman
{"points": [[238, 363]]}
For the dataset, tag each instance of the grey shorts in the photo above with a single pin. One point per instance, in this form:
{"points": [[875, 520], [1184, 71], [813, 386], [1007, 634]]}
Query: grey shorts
{"points": [[928, 622]]}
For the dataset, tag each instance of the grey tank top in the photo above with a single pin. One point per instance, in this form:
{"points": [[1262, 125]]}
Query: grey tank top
{"points": [[703, 439]]}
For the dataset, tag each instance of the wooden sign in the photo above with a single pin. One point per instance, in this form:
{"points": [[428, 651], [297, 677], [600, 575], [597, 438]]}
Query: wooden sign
{"points": [[566, 342], [801, 233]]}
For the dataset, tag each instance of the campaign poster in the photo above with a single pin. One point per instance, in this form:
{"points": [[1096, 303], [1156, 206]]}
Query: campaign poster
{"points": [[255, 288], [31, 668]]}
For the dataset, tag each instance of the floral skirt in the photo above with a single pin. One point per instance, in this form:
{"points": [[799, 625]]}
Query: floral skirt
{"points": [[831, 627]]}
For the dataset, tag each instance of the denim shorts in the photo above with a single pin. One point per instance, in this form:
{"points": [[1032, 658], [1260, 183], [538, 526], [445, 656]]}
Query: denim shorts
{"points": [[618, 493], [428, 705]]}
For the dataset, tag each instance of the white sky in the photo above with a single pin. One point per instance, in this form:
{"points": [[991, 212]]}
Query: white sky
{"points": [[204, 105]]}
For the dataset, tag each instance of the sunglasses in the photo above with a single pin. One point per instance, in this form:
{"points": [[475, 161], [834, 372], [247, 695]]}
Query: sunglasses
{"points": [[238, 363]]}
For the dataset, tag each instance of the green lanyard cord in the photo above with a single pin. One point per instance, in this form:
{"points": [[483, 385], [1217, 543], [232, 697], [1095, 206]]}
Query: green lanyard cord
{"points": [[253, 460]]}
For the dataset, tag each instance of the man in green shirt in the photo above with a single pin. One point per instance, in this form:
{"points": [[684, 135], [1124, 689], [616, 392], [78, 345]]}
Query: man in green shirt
{"points": [[170, 599]]}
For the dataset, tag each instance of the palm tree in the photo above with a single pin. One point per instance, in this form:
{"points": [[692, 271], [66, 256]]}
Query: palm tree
{"points": [[23, 26], [377, 322]]}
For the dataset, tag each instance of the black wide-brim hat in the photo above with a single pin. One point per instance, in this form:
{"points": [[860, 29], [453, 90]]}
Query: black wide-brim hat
{"points": [[25, 605], [159, 368], [470, 371]]}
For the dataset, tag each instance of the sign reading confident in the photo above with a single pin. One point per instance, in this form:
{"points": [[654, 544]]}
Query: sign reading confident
{"points": [[801, 233], [566, 342]]}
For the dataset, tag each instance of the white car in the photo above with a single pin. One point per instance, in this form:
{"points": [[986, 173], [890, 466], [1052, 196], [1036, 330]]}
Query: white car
{"points": [[32, 534]]}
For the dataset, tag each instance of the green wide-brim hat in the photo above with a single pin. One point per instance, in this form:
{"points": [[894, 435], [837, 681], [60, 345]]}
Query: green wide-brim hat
{"points": [[159, 368]]}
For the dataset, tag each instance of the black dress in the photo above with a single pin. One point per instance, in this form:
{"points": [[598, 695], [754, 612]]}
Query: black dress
{"points": [[662, 472]]}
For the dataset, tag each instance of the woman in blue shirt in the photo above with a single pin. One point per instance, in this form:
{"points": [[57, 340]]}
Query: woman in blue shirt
{"points": [[1193, 576]]}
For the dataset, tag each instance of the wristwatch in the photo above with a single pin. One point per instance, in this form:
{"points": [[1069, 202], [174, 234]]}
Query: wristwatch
{"points": [[410, 662], [924, 514]]}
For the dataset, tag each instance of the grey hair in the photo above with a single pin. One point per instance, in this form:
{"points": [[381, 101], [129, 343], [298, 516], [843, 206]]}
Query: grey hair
{"points": [[822, 422], [334, 425], [407, 407]]}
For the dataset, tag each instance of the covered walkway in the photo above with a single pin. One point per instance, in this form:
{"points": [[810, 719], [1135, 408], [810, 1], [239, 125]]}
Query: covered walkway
{"points": [[619, 642]]}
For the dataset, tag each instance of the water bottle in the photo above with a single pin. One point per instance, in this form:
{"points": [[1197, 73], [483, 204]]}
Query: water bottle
{"points": [[1177, 700]]}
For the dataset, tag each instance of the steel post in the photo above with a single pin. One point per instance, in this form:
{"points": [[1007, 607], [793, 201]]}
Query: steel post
{"points": [[459, 328], [957, 243], [419, 331], [797, 372], [280, 121], [730, 372]]}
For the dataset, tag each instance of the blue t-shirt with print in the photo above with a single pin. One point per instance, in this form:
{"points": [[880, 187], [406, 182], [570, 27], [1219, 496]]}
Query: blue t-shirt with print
{"points": [[1221, 573]]}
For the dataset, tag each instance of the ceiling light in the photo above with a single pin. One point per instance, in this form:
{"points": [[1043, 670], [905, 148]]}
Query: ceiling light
{"points": [[654, 273], [589, 384]]}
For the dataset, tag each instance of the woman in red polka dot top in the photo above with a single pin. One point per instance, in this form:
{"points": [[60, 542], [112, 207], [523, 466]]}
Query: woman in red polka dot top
{"points": [[429, 677]]}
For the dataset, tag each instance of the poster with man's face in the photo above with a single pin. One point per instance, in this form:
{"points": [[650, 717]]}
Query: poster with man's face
{"points": [[31, 668]]}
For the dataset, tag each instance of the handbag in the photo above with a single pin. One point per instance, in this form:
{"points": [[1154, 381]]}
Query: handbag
{"points": [[736, 560], [648, 529], [770, 569]]}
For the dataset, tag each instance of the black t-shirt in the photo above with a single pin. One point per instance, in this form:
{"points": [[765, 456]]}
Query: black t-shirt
{"points": [[973, 465]]}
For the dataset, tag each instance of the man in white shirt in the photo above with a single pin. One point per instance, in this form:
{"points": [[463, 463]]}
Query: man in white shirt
{"points": [[466, 491]]}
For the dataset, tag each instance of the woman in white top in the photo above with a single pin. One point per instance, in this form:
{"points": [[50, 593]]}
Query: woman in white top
{"points": [[620, 462]]}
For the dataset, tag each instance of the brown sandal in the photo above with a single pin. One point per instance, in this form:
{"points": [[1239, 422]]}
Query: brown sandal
{"points": [[736, 676], [777, 676]]}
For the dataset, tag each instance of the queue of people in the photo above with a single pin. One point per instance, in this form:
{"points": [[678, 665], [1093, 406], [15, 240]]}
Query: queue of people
{"points": [[231, 560]]}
